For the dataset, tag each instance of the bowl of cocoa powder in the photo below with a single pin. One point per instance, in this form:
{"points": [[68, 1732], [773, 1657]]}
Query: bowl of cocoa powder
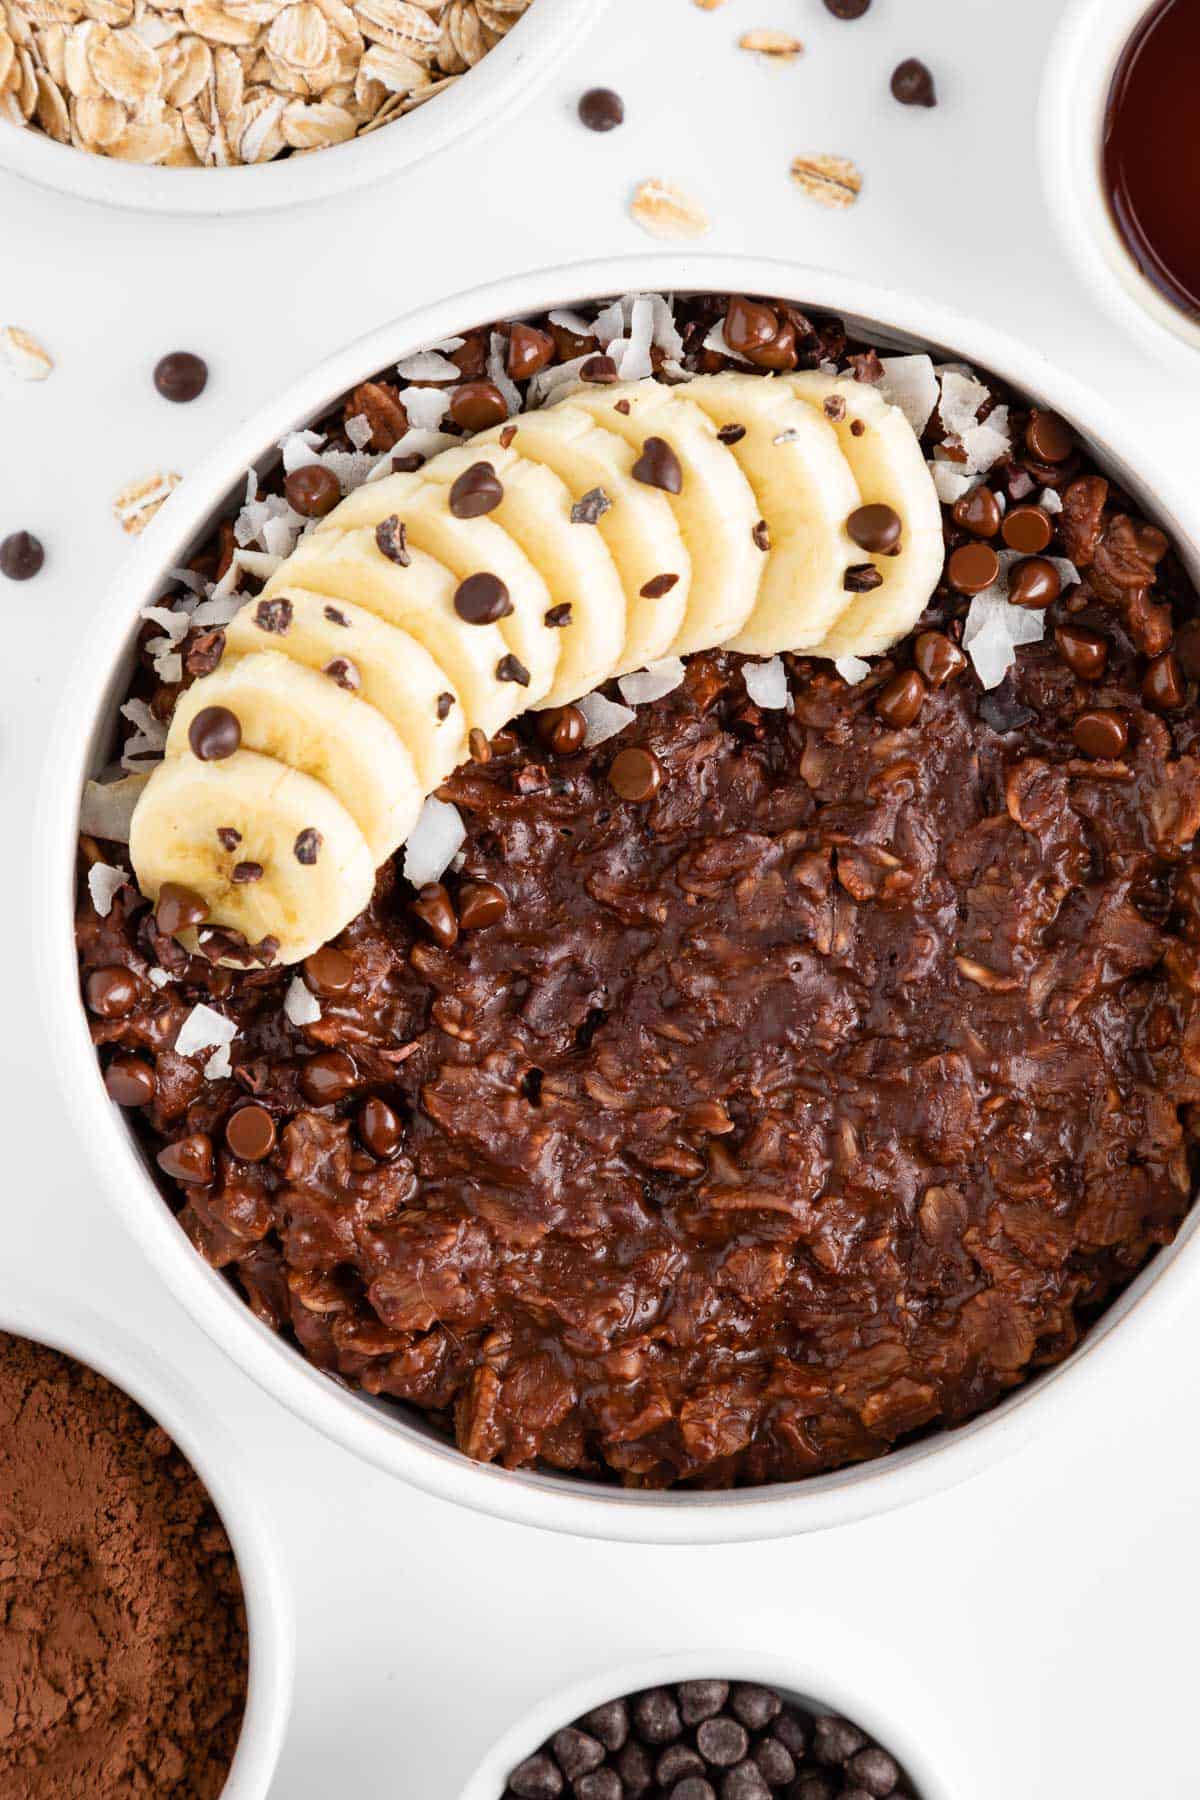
{"points": [[146, 1645], [458, 1200]]}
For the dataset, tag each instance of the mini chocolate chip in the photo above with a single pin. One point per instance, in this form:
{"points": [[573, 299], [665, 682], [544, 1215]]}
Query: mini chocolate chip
{"points": [[875, 1772], [600, 371], [775, 1761], [694, 1787], [509, 668], [507, 436], [529, 351], [111, 993], [657, 586], [937, 658], [482, 599], [328, 970], [392, 541], [749, 324], [972, 568], [599, 1784], [380, 1129], [731, 434], [480, 903], [576, 1752], [761, 534], [722, 1741], [558, 616], [1162, 684], [1084, 652], [188, 1159], [563, 729], [245, 872], [328, 1077], [590, 507], [1027, 529], [181, 376], [792, 1734], [312, 490], [656, 1716], [978, 512], [701, 1699], [836, 1740], [130, 1081], [755, 1706], [214, 733], [250, 1133], [635, 774], [307, 846], [478, 405], [858, 426], [408, 463], [435, 909], [475, 492], [623, 407], [344, 672], [912, 84], [609, 1723], [337, 618], [745, 1782], [1048, 437], [178, 908], [861, 578], [537, 1778], [780, 353], [676, 1761], [658, 466], [834, 407], [444, 703], [274, 616], [1034, 583], [875, 529], [1101, 733], [601, 109], [847, 9], [21, 556], [633, 1766], [899, 701]]}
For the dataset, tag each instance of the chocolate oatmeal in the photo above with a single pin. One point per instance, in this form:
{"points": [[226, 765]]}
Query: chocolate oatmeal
{"points": [[801, 1067]]}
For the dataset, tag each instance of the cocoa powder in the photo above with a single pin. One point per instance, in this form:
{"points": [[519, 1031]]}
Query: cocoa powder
{"points": [[123, 1644]]}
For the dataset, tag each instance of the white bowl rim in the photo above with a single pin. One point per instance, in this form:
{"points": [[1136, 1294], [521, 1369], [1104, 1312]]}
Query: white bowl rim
{"points": [[1079, 69], [850, 1676], [504, 80], [187, 1419], [383, 1438]]}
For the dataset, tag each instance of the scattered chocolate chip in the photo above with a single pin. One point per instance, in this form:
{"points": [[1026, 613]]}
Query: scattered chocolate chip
{"points": [[847, 9], [657, 586], [130, 1081], [775, 1761], [676, 1761], [507, 436], [335, 617], [178, 908], [1163, 684], [978, 512], [836, 1740], [435, 909], [590, 507], [899, 700], [246, 872], [874, 1771], [1027, 529], [1101, 733], [181, 376], [482, 599], [509, 668], [861, 578], [749, 325], [444, 703], [529, 351], [477, 491], [656, 1716], [858, 427], [562, 729], [408, 463], [1034, 583], [694, 1787], [111, 993], [214, 733], [307, 846], [599, 1784], [722, 1741], [312, 490], [972, 568], [328, 971], [912, 84], [875, 528], [380, 1128], [601, 109], [609, 1723], [937, 658], [1048, 437], [274, 616], [344, 672], [744, 1782], [188, 1159], [761, 535], [21, 556], [635, 774], [328, 1077], [658, 466], [867, 368], [599, 371], [250, 1133], [733, 434], [537, 1778], [392, 541], [558, 616], [478, 405], [480, 903], [1084, 652], [754, 1705], [623, 407], [699, 1700]]}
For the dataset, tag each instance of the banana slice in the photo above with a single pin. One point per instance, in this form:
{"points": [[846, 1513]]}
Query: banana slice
{"points": [[805, 492], [317, 872], [639, 526], [304, 719], [419, 598], [467, 547], [715, 508], [394, 673], [573, 559], [890, 469]]}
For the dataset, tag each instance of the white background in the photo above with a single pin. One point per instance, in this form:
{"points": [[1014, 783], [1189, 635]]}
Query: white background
{"points": [[1048, 1610]]}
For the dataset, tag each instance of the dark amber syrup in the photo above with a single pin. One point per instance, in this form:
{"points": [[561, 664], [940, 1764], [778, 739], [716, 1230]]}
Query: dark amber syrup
{"points": [[1151, 150]]}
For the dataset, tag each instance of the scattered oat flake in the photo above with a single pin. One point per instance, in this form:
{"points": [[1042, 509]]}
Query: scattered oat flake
{"points": [[23, 355], [779, 46], [666, 211], [708, 5], [104, 883], [301, 1004], [831, 180], [136, 504]]}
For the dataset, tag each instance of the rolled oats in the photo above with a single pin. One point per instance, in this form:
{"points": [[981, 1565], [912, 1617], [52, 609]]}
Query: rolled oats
{"points": [[780, 46], [832, 180], [217, 83], [23, 355], [667, 212]]}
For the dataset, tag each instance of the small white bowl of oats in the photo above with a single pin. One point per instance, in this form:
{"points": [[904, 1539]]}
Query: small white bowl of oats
{"points": [[216, 106]]}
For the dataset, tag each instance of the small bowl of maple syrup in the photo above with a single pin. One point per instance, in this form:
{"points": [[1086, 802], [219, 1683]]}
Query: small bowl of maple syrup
{"points": [[1120, 149]]}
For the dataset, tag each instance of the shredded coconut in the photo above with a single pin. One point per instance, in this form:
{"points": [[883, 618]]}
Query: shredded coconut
{"points": [[433, 842], [104, 882], [652, 682], [766, 682], [604, 718], [300, 1003]]}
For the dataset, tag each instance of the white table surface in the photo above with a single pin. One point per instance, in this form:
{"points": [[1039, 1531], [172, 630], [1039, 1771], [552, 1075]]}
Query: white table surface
{"points": [[1047, 1609]]}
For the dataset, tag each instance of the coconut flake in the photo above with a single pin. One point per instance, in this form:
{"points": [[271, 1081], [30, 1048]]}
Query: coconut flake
{"points": [[188, 578], [433, 842], [962, 397], [652, 682], [219, 1066], [635, 364], [219, 610], [852, 669], [300, 1003], [148, 740], [545, 385], [426, 407], [1050, 501], [766, 683], [994, 629], [107, 807], [300, 449], [360, 431], [448, 345], [262, 563], [427, 365], [498, 373], [175, 624], [571, 321], [204, 1029], [1068, 574], [610, 321], [984, 444], [104, 883], [666, 333], [603, 718], [160, 978], [910, 383], [950, 482]]}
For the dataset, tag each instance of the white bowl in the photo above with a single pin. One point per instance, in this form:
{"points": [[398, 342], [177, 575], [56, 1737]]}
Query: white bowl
{"points": [[507, 77], [385, 1435], [185, 1417], [1080, 66], [850, 1677]]}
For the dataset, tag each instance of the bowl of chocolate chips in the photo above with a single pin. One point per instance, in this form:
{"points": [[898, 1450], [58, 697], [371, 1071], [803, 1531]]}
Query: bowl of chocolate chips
{"points": [[624, 929]]}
